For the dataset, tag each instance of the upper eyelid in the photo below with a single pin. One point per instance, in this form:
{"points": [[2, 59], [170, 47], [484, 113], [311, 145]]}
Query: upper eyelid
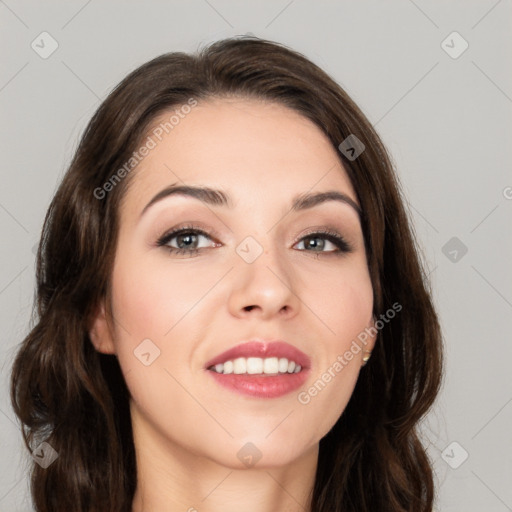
{"points": [[173, 232], [212, 233], [325, 230]]}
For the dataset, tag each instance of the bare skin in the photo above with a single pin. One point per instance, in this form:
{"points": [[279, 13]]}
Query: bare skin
{"points": [[188, 430]]}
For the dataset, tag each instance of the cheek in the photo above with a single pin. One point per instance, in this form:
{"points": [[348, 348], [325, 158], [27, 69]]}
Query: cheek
{"points": [[345, 307], [153, 296], [149, 301], [155, 307], [343, 303]]}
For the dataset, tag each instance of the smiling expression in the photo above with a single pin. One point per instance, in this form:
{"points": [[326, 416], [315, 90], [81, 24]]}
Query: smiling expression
{"points": [[262, 241]]}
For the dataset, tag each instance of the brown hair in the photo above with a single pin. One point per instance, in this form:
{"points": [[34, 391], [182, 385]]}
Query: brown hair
{"points": [[75, 398]]}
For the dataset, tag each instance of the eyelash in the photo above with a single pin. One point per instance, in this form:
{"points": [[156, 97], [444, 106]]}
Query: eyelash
{"points": [[332, 236]]}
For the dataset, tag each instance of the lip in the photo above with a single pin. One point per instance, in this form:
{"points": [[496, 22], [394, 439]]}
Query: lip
{"points": [[262, 386]]}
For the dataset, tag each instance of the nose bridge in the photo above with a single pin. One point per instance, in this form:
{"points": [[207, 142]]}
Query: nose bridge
{"points": [[262, 279]]}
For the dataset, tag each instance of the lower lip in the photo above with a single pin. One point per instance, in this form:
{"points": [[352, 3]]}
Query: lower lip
{"points": [[261, 386]]}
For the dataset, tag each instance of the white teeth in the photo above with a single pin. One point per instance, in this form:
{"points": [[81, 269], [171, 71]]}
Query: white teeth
{"points": [[240, 365], [257, 366], [271, 365], [254, 365]]}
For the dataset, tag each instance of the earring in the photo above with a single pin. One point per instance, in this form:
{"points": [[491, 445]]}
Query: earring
{"points": [[366, 357]]}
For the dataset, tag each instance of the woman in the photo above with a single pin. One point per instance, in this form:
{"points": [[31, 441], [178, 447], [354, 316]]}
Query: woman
{"points": [[226, 251]]}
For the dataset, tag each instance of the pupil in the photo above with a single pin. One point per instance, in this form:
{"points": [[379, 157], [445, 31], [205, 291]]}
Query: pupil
{"points": [[314, 244], [186, 238]]}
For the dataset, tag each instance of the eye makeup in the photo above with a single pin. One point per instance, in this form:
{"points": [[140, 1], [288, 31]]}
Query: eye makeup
{"points": [[190, 234]]}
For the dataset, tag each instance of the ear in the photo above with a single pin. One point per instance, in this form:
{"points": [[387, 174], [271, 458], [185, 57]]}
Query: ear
{"points": [[100, 332], [374, 333], [369, 341]]}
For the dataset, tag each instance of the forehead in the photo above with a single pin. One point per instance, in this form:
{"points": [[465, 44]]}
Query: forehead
{"points": [[241, 146]]}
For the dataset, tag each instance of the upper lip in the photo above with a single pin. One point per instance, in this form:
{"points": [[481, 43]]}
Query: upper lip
{"points": [[263, 349]]}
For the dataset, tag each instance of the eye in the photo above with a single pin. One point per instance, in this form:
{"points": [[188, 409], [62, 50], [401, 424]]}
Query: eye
{"points": [[324, 241], [185, 240], [190, 240]]}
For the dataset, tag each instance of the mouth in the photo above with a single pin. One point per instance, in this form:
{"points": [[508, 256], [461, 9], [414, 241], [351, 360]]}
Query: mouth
{"points": [[261, 369]]}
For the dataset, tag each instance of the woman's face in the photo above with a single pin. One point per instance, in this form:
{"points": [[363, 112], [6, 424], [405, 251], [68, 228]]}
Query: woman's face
{"points": [[257, 269]]}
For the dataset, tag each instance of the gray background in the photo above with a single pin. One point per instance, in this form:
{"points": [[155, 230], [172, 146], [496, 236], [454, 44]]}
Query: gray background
{"points": [[446, 121]]}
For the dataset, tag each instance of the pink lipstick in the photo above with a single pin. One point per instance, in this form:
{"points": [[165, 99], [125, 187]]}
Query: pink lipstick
{"points": [[261, 369]]}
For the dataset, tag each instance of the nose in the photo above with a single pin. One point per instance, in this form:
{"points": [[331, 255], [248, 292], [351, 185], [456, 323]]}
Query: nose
{"points": [[264, 288]]}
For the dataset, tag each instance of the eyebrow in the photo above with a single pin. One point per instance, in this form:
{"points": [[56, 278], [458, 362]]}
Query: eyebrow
{"points": [[216, 197]]}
